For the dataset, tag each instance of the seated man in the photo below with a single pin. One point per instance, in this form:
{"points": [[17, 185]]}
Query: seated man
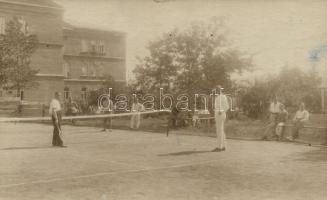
{"points": [[270, 129], [281, 120], [301, 116]]}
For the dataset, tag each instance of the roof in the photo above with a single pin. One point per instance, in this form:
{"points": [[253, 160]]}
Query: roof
{"points": [[35, 3], [74, 26]]}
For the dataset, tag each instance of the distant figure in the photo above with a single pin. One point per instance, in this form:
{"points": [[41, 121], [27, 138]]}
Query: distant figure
{"points": [[281, 120], [195, 118], [274, 110], [221, 107], [108, 108], [55, 112], [136, 118], [301, 117], [174, 116], [72, 108]]}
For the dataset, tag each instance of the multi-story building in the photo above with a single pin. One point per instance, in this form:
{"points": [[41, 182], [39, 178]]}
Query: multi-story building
{"points": [[43, 18], [89, 56], [71, 60]]}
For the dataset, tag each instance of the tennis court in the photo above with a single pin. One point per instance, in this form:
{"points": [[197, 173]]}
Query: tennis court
{"points": [[126, 164]]}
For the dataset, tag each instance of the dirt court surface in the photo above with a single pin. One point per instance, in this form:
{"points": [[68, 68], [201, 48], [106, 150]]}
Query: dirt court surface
{"points": [[139, 165]]}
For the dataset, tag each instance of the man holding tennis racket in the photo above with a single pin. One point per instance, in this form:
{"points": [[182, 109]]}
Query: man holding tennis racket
{"points": [[221, 107], [55, 112]]}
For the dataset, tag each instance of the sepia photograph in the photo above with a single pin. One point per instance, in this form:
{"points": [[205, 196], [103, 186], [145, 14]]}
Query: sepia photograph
{"points": [[163, 100]]}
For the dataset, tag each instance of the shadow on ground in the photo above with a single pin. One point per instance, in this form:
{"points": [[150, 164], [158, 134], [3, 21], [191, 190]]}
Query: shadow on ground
{"points": [[183, 153], [24, 148]]}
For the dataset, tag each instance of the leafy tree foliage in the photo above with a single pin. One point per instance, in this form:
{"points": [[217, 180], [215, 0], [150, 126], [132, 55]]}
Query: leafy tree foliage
{"points": [[109, 82], [16, 49], [291, 86], [190, 61]]}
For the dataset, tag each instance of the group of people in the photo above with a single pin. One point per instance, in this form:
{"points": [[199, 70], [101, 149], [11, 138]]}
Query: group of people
{"points": [[109, 108], [278, 118], [55, 111], [275, 128]]}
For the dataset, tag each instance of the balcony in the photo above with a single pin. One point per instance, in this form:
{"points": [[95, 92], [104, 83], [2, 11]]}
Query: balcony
{"points": [[93, 53]]}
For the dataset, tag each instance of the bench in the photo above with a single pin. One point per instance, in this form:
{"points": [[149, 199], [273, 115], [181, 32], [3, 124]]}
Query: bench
{"points": [[311, 127]]}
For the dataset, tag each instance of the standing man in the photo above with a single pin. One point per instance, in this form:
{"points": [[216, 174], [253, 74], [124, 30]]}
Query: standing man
{"points": [[281, 120], [108, 108], [55, 112], [274, 110], [301, 117], [221, 107], [136, 118]]}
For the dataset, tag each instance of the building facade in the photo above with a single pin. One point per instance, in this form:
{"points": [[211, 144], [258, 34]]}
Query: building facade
{"points": [[71, 60], [89, 56]]}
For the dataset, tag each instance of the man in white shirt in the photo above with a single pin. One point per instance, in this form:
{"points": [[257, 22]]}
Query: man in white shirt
{"points": [[55, 112], [274, 110], [301, 117], [107, 108], [221, 107], [136, 118]]}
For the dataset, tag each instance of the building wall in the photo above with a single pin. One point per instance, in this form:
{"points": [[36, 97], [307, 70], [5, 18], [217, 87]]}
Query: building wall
{"points": [[82, 62], [85, 66], [92, 68], [48, 58], [62, 58], [45, 90], [75, 88]]}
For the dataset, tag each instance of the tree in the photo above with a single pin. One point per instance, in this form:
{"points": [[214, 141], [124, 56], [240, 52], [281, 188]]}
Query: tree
{"points": [[291, 86], [191, 61], [108, 82], [16, 49], [296, 86]]}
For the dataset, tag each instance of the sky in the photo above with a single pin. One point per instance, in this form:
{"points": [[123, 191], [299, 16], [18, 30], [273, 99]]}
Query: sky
{"points": [[275, 33]]}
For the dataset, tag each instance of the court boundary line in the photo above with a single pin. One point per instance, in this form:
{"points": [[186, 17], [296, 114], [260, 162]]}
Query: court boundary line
{"points": [[104, 174]]}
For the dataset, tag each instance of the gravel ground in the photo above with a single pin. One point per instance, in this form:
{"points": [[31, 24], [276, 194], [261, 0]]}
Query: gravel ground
{"points": [[126, 164]]}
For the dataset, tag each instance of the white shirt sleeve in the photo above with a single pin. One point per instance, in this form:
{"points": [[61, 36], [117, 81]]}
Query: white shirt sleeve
{"points": [[51, 107], [305, 116], [226, 103]]}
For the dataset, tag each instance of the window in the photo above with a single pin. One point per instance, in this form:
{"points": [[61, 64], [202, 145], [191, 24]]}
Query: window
{"points": [[2, 25], [100, 69], [84, 45], [66, 93], [66, 70], [101, 47], [84, 71], [93, 46], [84, 93], [21, 95]]}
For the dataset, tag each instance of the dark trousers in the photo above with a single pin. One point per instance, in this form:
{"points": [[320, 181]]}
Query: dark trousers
{"points": [[105, 122], [271, 127], [56, 140], [296, 128]]}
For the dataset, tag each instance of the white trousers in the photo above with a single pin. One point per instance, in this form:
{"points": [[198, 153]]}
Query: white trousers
{"points": [[220, 123], [135, 121]]}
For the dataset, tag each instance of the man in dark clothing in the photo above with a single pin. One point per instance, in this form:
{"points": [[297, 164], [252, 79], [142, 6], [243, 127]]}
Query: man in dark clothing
{"points": [[55, 112]]}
